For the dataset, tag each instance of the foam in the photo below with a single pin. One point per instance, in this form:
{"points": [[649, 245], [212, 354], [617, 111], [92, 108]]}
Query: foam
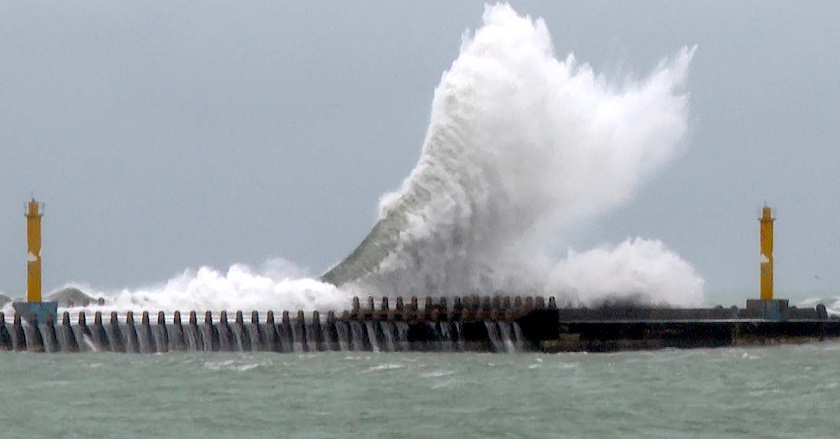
{"points": [[276, 285]]}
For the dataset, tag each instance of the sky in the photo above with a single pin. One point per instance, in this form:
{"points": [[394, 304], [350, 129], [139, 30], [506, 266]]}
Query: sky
{"points": [[171, 135]]}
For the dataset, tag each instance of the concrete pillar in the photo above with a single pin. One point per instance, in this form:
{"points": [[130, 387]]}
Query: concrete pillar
{"points": [[85, 331], [19, 334], [822, 312], [144, 336], [117, 343], [330, 326], [300, 324], [52, 338], [313, 331], [467, 302], [177, 341], [443, 305], [162, 341], [257, 336], [456, 304], [34, 343], [197, 333], [213, 332], [467, 314], [272, 341], [100, 336], [71, 344], [454, 313], [133, 344], [5, 337], [285, 331], [244, 336], [176, 337], [226, 342]]}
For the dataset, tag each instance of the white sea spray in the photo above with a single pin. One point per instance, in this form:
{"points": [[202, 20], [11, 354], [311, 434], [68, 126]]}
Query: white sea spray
{"points": [[521, 149]]}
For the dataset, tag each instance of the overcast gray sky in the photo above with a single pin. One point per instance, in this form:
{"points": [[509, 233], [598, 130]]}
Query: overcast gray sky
{"points": [[168, 135]]}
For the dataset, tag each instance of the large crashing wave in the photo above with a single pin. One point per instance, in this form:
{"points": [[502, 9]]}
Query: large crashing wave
{"points": [[521, 148]]}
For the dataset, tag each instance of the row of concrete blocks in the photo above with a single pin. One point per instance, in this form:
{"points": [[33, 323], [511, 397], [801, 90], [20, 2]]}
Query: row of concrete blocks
{"points": [[497, 308], [469, 308], [473, 307], [256, 336]]}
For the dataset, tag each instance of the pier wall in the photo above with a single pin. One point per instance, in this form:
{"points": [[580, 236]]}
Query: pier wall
{"points": [[459, 324]]}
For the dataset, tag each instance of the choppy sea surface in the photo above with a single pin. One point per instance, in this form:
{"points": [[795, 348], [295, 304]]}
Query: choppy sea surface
{"points": [[782, 391]]}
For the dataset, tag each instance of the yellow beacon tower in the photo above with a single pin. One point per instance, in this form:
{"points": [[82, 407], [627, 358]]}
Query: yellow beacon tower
{"points": [[34, 212], [766, 221], [767, 307], [34, 309]]}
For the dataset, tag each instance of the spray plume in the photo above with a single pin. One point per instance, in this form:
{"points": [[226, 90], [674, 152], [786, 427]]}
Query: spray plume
{"points": [[521, 148]]}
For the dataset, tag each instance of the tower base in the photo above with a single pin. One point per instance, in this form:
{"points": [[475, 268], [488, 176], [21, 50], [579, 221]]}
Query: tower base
{"points": [[37, 310], [775, 309]]}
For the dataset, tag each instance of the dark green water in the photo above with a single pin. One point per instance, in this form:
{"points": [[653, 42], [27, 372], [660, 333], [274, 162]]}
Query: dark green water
{"points": [[786, 391]]}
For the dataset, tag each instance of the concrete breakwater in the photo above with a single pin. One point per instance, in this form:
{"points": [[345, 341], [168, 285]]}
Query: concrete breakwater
{"points": [[471, 323], [468, 324]]}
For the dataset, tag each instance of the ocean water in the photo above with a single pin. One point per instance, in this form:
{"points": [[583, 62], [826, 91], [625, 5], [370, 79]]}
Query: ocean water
{"points": [[782, 391]]}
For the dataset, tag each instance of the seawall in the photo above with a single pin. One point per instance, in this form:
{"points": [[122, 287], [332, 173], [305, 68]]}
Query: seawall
{"points": [[459, 324]]}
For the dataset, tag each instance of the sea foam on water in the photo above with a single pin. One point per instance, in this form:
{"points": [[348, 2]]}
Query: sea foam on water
{"points": [[522, 149]]}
